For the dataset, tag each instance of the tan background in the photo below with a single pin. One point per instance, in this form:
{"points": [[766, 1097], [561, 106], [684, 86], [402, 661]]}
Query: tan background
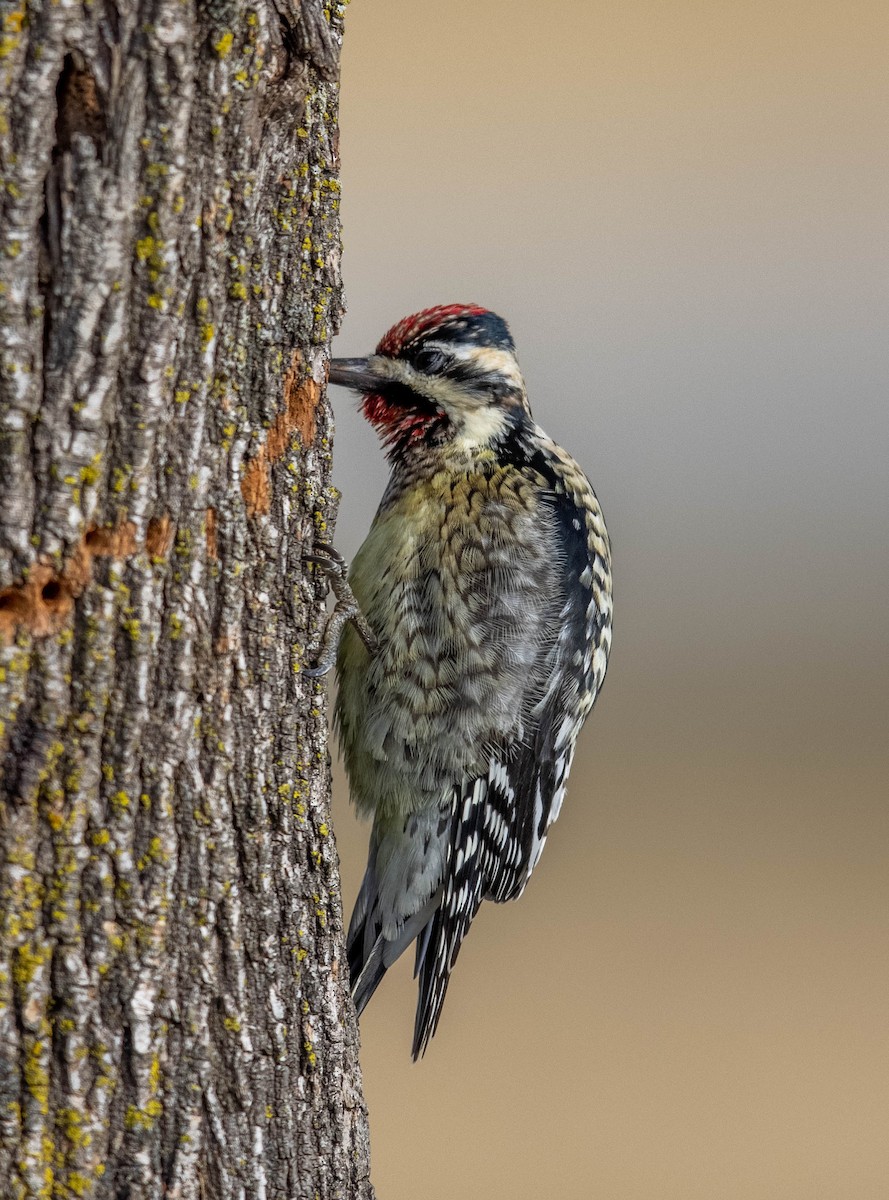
{"points": [[681, 208]]}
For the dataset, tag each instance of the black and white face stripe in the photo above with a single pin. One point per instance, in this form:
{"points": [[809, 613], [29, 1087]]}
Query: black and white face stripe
{"points": [[454, 376]]}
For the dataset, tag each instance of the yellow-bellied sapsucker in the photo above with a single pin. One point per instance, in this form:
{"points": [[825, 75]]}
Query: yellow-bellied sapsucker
{"points": [[484, 590]]}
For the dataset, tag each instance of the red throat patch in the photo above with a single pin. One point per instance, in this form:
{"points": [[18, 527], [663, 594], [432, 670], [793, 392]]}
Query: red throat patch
{"points": [[393, 422]]}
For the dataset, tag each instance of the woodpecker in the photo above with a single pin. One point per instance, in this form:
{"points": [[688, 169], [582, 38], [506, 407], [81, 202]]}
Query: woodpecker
{"points": [[480, 627]]}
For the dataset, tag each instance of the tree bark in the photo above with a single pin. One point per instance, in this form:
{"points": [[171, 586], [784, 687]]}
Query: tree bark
{"points": [[174, 1011]]}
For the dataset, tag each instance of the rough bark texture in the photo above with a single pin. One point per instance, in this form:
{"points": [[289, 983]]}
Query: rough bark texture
{"points": [[174, 1017]]}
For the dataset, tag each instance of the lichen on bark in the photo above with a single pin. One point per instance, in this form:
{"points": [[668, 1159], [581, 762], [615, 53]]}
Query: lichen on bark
{"points": [[174, 1012]]}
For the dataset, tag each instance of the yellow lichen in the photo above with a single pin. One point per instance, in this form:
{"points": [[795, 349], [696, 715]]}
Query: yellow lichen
{"points": [[224, 45], [143, 1118], [36, 1076], [145, 248]]}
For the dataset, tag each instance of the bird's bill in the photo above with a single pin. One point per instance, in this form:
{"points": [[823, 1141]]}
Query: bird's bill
{"points": [[355, 373]]}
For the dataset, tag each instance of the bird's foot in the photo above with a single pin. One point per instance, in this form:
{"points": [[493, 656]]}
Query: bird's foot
{"points": [[333, 565]]}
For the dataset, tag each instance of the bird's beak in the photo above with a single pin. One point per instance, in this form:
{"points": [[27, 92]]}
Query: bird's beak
{"points": [[355, 373]]}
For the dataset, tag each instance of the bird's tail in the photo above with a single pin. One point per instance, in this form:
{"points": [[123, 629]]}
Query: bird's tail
{"points": [[439, 942], [396, 903]]}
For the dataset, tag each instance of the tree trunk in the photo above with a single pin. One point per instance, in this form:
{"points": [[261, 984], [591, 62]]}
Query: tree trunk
{"points": [[174, 1011]]}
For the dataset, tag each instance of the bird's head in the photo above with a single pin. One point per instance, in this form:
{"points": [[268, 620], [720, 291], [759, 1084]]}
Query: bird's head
{"points": [[447, 375]]}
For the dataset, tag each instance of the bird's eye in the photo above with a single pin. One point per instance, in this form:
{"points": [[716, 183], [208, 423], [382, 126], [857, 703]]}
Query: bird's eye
{"points": [[430, 361]]}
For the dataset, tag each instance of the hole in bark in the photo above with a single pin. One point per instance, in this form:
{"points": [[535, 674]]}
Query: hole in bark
{"points": [[56, 596], [159, 537], [79, 105], [211, 526], [38, 606], [116, 541], [45, 600], [13, 602]]}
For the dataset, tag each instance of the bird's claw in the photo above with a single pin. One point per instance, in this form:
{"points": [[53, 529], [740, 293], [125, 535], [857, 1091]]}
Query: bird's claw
{"points": [[328, 558], [334, 566]]}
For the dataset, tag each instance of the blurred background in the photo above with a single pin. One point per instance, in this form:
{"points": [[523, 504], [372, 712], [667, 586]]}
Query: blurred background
{"points": [[681, 209]]}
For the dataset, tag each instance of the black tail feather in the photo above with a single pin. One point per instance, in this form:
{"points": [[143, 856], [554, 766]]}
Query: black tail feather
{"points": [[439, 945], [366, 979]]}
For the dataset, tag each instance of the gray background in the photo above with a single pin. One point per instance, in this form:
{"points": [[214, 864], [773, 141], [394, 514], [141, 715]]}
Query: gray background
{"points": [[681, 209]]}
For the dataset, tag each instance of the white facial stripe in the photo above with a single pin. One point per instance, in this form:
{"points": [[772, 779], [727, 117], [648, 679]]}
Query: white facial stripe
{"points": [[486, 358]]}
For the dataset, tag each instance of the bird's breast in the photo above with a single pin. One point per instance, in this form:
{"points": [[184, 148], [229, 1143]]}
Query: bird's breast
{"points": [[448, 579]]}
